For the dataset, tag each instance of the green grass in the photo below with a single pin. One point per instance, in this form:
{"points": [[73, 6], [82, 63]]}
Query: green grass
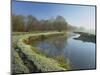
{"points": [[43, 63], [40, 60], [17, 64], [65, 63]]}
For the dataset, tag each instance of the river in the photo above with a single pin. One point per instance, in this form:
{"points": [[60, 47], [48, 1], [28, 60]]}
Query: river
{"points": [[81, 54]]}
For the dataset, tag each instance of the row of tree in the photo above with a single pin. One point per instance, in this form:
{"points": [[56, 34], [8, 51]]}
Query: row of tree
{"points": [[30, 23]]}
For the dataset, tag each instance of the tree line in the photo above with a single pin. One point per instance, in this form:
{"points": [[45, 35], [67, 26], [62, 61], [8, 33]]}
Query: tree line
{"points": [[30, 23]]}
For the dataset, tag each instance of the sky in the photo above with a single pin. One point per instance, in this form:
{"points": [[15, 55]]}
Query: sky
{"points": [[76, 15]]}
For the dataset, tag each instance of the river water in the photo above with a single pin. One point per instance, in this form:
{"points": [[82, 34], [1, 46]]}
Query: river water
{"points": [[81, 54]]}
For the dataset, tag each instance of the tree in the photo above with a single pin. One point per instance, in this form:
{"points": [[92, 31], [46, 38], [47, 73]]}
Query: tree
{"points": [[31, 23], [18, 23], [60, 23]]}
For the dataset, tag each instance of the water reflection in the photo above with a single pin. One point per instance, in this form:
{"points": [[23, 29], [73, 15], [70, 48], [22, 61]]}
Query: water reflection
{"points": [[52, 47], [81, 54]]}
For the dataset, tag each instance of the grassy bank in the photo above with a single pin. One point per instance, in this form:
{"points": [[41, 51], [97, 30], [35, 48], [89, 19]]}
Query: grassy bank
{"points": [[28, 59], [86, 37]]}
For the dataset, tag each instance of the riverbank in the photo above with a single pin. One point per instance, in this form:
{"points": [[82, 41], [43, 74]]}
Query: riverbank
{"points": [[27, 59], [86, 37]]}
